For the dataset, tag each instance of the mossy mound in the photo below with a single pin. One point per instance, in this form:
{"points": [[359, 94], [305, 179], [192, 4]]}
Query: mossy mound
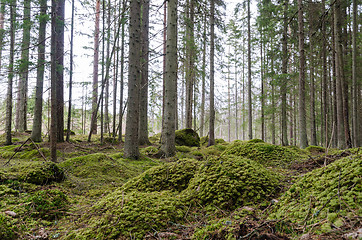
{"points": [[264, 153], [187, 137], [231, 181], [7, 229], [256, 140], [330, 192], [184, 149], [35, 172], [130, 216], [173, 176], [315, 149], [155, 139], [27, 151], [47, 204], [150, 150], [205, 140]]}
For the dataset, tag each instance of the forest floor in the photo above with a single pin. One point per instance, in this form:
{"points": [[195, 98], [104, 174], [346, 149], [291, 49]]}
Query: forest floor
{"points": [[238, 190]]}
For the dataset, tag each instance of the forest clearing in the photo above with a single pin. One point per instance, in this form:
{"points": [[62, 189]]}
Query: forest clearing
{"points": [[238, 190]]}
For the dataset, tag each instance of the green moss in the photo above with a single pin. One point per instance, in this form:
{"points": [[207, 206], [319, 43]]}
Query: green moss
{"points": [[264, 153], [134, 214], [315, 195], [315, 149], [217, 229], [155, 139], [150, 150], [47, 204], [8, 230], [256, 140], [173, 176], [185, 149], [231, 181], [187, 137]]}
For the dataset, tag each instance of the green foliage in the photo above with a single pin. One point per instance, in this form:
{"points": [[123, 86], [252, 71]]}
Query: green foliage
{"points": [[8, 230], [133, 214], [47, 204], [264, 153], [187, 137], [155, 139], [174, 176], [150, 150], [327, 192], [231, 181]]}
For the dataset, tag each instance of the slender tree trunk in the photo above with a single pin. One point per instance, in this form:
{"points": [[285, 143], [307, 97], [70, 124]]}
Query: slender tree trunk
{"points": [[9, 95], [250, 110], [203, 75], [2, 31], [143, 122], [262, 90], [70, 74], [24, 68], [38, 111], [117, 19], [190, 55], [124, 6], [95, 69], [131, 143], [324, 117], [168, 129], [236, 104], [313, 132], [302, 111], [283, 88], [229, 101], [164, 59], [356, 118], [212, 72], [106, 96]]}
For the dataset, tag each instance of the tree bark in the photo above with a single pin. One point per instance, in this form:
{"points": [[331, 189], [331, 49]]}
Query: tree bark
{"points": [[131, 142], [24, 68], [250, 109], [302, 110], [203, 78], [9, 95], [95, 69], [168, 129], [212, 72], [283, 87], [38, 111], [357, 141], [2, 31], [143, 124]]}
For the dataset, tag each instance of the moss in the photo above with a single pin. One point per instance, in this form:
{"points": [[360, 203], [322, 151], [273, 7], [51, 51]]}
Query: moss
{"points": [[315, 149], [217, 229], [264, 153], [134, 214], [150, 150], [231, 181], [173, 176], [8, 230], [256, 140], [185, 149], [155, 139], [71, 132], [47, 204], [187, 137], [315, 195], [204, 141]]}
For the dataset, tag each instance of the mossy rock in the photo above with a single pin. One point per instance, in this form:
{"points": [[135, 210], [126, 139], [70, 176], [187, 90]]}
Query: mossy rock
{"points": [[150, 150], [187, 137], [315, 149], [47, 204], [327, 192], [173, 176], [8, 230], [204, 141], [264, 153], [71, 132], [256, 140], [120, 215], [155, 139], [231, 181]]}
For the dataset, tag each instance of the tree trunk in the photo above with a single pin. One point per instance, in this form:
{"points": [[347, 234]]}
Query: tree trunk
{"points": [[143, 124], [356, 118], [283, 87], [109, 60], [302, 111], [168, 129], [262, 89], [313, 132], [124, 7], [57, 102], [203, 78], [38, 111], [24, 68], [95, 69], [9, 95], [2, 31], [212, 72], [70, 74], [250, 110], [131, 143], [324, 117]]}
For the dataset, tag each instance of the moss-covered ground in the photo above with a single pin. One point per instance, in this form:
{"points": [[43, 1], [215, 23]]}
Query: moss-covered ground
{"points": [[239, 190]]}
